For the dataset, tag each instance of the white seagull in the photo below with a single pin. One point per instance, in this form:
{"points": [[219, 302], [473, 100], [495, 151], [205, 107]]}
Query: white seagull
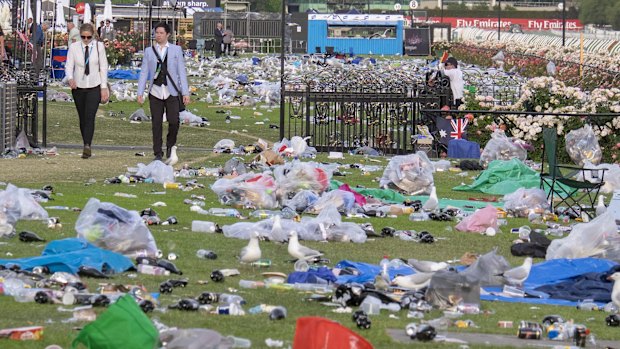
{"points": [[299, 251], [433, 202], [414, 282], [251, 253], [516, 276], [173, 159], [427, 266], [615, 292]]}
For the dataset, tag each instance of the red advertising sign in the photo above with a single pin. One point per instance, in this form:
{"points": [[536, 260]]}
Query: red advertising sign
{"points": [[492, 23]]}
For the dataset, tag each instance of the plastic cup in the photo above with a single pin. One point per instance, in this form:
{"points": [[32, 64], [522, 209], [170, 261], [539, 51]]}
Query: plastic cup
{"points": [[301, 265]]}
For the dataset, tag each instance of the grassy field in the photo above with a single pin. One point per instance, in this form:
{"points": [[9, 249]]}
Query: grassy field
{"points": [[76, 180]]}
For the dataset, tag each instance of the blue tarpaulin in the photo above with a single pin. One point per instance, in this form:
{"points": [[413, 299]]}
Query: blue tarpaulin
{"points": [[124, 74], [68, 255], [544, 273]]}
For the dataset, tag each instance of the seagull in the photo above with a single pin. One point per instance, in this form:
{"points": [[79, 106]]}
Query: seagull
{"points": [[251, 252], [414, 282], [209, 99], [615, 292], [600, 206], [516, 276], [299, 251], [173, 159], [427, 266], [432, 203]]}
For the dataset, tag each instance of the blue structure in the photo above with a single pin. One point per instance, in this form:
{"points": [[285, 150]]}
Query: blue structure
{"points": [[355, 34]]}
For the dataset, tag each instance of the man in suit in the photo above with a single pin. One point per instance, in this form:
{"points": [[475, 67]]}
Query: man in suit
{"points": [[36, 38], [167, 82], [219, 39], [107, 32]]}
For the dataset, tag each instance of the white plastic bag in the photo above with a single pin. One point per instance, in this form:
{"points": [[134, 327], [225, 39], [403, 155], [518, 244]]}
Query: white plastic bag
{"points": [[114, 228], [17, 203], [523, 200], [411, 174], [500, 147], [157, 170], [582, 145]]}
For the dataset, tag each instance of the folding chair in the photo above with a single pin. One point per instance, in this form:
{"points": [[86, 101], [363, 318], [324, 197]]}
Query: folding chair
{"points": [[568, 190]]}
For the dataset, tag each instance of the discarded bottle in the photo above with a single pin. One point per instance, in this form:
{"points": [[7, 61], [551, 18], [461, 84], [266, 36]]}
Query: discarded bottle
{"points": [[384, 264], [251, 284], [204, 227], [262, 263], [223, 212], [172, 185], [152, 270], [125, 195], [206, 254]]}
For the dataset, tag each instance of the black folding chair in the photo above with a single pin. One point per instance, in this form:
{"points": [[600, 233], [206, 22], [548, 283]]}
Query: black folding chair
{"points": [[579, 196]]}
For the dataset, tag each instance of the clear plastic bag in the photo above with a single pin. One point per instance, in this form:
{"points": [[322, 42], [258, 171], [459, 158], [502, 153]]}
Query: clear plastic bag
{"points": [[343, 201], [295, 176], [411, 174], [17, 203], [157, 170], [597, 238], [224, 146], [195, 338], [139, 115], [500, 147], [249, 190], [302, 200], [487, 269], [582, 145], [523, 200], [114, 228], [448, 289], [234, 166]]}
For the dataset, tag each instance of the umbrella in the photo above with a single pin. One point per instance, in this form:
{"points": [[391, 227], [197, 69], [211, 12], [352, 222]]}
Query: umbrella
{"points": [[61, 23], [107, 10], [88, 17]]}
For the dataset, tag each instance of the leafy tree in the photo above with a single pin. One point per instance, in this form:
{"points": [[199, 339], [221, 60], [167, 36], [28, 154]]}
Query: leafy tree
{"points": [[266, 5], [600, 12]]}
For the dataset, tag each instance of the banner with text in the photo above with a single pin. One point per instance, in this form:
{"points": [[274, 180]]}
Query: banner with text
{"points": [[492, 23]]}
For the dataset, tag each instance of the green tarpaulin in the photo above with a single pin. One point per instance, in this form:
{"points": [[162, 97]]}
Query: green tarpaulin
{"points": [[503, 177]]}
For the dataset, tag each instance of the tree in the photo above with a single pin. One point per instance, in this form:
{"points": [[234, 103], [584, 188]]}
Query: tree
{"points": [[600, 12], [266, 5]]}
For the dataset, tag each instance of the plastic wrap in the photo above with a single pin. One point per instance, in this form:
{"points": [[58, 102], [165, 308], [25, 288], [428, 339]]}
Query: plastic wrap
{"points": [[597, 238], [249, 190], [343, 201], [224, 146], [294, 147], [449, 289], [582, 145], [486, 270], [17, 203], [611, 179], [523, 200], [411, 174], [295, 176], [195, 338], [302, 200], [500, 147], [480, 221], [114, 228], [157, 170]]}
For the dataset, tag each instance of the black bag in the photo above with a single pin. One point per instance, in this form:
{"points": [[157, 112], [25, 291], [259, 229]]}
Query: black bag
{"points": [[179, 94]]}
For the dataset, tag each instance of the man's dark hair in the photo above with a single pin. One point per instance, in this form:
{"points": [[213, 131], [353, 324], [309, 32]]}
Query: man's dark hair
{"points": [[163, 25]]}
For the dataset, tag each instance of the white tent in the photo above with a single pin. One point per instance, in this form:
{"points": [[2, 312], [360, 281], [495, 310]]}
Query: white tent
{"points": [[61, 23], [88, 17], [107, 10]]}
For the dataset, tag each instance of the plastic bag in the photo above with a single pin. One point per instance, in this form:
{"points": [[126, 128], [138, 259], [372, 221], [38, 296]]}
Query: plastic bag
{"points": [[582, 145], [612, 176], [302, 200], [139, 115], [249, 190], [114, 228], [342, 200], [523, 200], [479, 221], [295, 176], [234, 166], [487, 269], [224, 146], [411, 174], [195, 338], [17, 203], [500, 147], [597, 238], [157, 170], [448, 289]]}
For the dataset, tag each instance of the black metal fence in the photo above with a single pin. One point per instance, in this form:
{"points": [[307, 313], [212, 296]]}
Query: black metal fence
{"points": [[344, 109]]}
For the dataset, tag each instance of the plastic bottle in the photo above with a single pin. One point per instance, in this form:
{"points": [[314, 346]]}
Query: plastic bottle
{"points": [[223, 212], [240, 342], [264, 214], [227, 298], [384, 264], [152, 270], [204, 227], [206, 254], [251, 284]]}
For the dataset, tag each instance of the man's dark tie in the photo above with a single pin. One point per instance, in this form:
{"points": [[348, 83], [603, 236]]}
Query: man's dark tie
{"points": [[86, 62]]}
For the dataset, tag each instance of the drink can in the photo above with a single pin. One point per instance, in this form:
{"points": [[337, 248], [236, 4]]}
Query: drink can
{"points": [[172, 185], [223, 310]]}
